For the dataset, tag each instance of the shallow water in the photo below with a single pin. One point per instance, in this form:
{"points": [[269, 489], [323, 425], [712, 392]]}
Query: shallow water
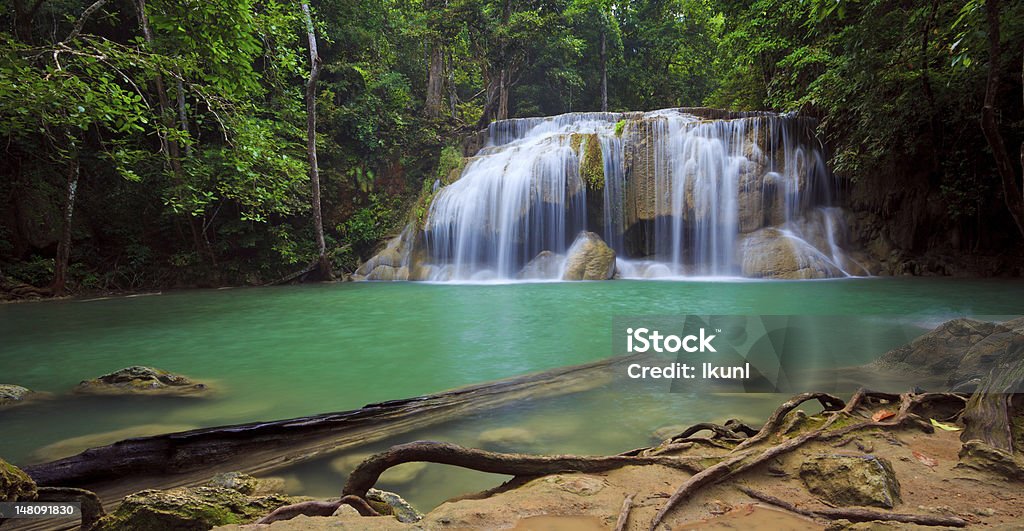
{"points": [[290, 351]]}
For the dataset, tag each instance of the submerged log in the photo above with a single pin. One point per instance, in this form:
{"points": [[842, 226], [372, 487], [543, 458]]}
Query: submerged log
{"points": [[191, 457]]}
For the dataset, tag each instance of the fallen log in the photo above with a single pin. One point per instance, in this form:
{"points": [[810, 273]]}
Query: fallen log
{"points": [[190, 458]]}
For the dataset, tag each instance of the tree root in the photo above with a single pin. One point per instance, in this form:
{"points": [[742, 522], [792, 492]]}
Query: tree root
{"points": [[742, 458], [855, 515], [733, 436], [365, 476], [627, 506], [318, 508]]}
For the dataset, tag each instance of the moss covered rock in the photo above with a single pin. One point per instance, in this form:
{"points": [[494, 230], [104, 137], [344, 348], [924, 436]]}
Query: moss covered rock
{"points": [[592, 163], [15, 484], [188, 509], [852, 480], [141, 380]]}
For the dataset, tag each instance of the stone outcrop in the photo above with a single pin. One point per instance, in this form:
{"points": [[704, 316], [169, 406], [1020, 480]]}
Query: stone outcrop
{"points": [[961, 352], [589, 258]]}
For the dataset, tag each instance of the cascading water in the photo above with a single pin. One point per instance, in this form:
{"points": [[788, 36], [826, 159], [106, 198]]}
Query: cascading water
{"points": [[673, 194]]}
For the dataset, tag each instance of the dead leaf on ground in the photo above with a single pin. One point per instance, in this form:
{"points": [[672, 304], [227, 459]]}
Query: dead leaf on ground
{"points": [[882, 415], [925, 460]]}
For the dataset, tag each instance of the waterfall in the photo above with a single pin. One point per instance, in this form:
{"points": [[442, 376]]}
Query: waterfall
{"points": [[672, 193]]}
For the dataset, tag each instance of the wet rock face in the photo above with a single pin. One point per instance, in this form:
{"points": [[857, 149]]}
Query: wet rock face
{"points": [[15, 484], [13, 394], [589, 258], [187, 509], [852, 480], [546, 265], [141, 380], [770, 253]]}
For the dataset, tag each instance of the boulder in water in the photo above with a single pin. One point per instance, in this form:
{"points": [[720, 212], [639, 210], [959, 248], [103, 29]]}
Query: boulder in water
{"points": [[12, 395], [546, 265], [507, 439], [140, 380], [772, 253], [589, 258]]}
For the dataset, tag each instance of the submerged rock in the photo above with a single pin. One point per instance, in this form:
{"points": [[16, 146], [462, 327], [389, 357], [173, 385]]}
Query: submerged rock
{"points": [[15, 484], [396, 475], [188, 509], [141, 380], [507, 439], [589, 258], [11, 394], [852, 480]]}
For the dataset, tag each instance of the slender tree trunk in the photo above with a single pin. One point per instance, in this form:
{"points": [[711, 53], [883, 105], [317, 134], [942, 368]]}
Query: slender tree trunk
{"points": [[453, 96], [60, 266], [314, 170], [435, 73], [604, 70], [989, 124], [503, 89]]}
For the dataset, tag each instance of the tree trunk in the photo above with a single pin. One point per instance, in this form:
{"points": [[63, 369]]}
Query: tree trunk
{"points": [[604, 70], [435, 73], [60, 266], [435, 81], [314, 169], [503, 89], [989, 124]]}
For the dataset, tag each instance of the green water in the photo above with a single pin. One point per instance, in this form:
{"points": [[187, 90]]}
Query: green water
{"points": [[290, 351]]}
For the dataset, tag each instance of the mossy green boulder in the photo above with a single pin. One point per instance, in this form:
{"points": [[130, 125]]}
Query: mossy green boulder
{"points": [[140, 380], [188, 509], [15, 484]]}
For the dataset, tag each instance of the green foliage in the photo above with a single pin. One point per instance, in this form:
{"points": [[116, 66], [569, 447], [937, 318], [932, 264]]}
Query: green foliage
{"points": [[372, 223]]}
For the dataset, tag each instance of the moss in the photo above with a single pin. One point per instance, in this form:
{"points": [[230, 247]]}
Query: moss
{"points": [[450, 165], [15, 483], [620, 126], [198, 508], [592, 163], [574, 141]]}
